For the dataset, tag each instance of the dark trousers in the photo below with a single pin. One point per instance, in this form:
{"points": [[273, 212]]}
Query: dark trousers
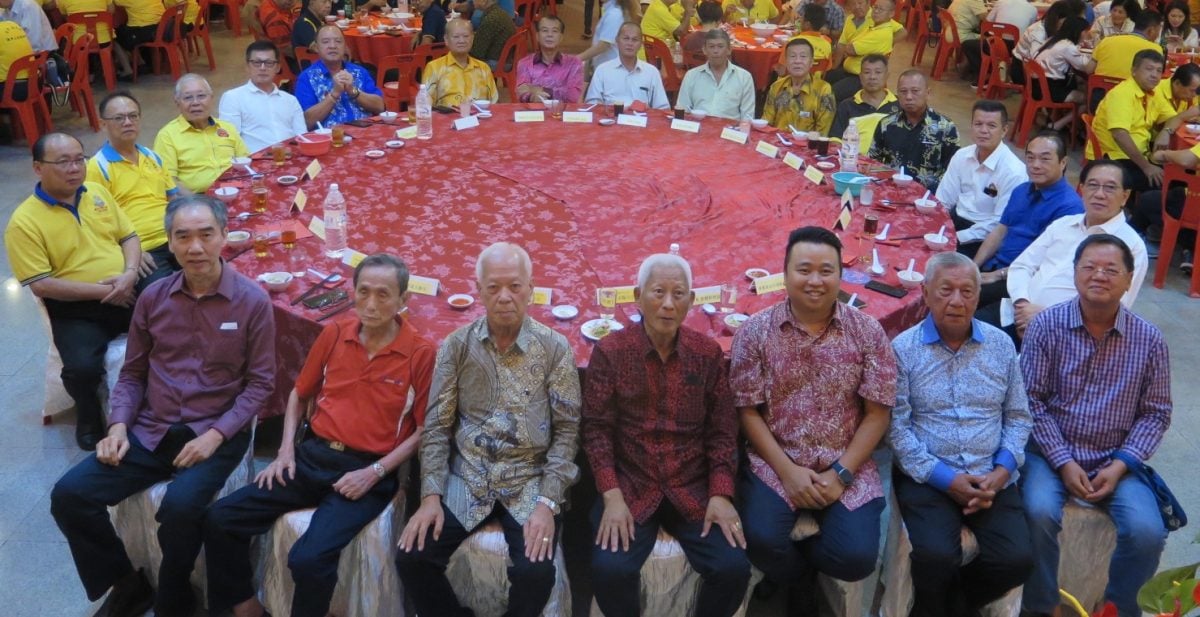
{"points": [[589, 7], [132, 36], [616, 576], [943, 588], [844, 84], [313, 560], [424, 572], [973, 51], [164, 265], [960, 223], [846, 548], [82, 331], [992, 293], [1148, 213], [990, 314], [80, 501], [1141, 183]]}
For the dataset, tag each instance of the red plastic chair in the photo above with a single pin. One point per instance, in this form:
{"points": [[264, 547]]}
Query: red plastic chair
{"points": [[305, 57], [1096, 83], [397, 94], [91, 23], [1091, 138], [199, 33], [1189, 219], [233, 17], [995, 55], [168, 40], [922, 15], [33, 115], [515, 48], [658, 54], [81, 97], [1030, 105], [914, 13], [947, 48], [1007, 31]]}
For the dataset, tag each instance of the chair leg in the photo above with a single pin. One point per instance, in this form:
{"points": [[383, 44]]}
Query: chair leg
{"points": [[212, 63], [1194, 288], [29, 123], [106, 65], [1166, 251]]}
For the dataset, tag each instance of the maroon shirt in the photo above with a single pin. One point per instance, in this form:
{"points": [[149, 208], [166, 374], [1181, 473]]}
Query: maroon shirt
{"points": [[659, 429], [208, 362]]}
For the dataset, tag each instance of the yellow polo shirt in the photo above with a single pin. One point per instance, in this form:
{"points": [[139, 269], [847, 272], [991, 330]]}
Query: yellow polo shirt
{"points": [[70, 7], [763, 10], [449, 83], [822, 48], [877, 39], [142, 12], [14, 45], [197, 157], [1128, 107], [849, 28], [142, 189], [1163, 91], [46, 239], [1114, 54], [658, 21]]}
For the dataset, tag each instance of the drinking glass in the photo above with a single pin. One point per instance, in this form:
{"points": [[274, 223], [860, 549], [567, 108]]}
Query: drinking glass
{"points": [[289, 238], [262, 244], [258, 188], [728, 297], [279, 154], [608, 303], [339, 135]]}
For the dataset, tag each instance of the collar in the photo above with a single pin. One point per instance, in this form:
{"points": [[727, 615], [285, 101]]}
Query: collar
{"points": [[927, 118], [51, 201], [805, 86], [1050, 191], [187, 126], [538, 59], [993, 159], [1075, 317], [402, 344], [930, 334], [783, 315], [226, 286], [321, 68], [637, 66], [888, 97], [708, 69], [111, 155], [524, 336], [1110, 226], [255, 89], [646, 346]]}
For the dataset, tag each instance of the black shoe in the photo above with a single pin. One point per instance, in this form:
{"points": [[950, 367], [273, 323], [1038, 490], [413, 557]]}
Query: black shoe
{"points": [[132, 596], [186, 608], [87, 435]]}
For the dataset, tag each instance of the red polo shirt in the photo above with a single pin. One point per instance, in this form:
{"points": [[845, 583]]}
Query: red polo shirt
{"points": [[371, 405]]}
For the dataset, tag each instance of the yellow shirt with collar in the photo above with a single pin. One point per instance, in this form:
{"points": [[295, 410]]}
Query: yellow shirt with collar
{"points": [[142, 12], [47, 240], [659, 22], [449, 82], [1114, 54], [14, 45], [197, 157], [1128, 107], [763, 10], [142, 189], [1163, 91], [877, 39]]}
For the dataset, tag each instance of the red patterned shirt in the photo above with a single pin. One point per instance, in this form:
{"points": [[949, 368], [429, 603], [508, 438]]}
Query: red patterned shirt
{"points": [[660, 429], [813, 387]]}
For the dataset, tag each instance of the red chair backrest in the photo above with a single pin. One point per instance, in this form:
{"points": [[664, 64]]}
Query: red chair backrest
{"points": [[996, 48], [1007, 31], [169, 26], [30, 66], [1174, 174], [92, 22], [1091, 135], [1099, 82], [406, 75], [527, 9], [948, 25], [1035, 73], [658, 54], [201, 25], [77, 59], [305, 57], [517, 46]]}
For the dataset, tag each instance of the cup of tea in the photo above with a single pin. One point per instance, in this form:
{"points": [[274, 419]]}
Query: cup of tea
{"points": [[288, 237], [278, 154], [618, 109], [821, 145], [339, 135], [679, 113], [262, 245]]}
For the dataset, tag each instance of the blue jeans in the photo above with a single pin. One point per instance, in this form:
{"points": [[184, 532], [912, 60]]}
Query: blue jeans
{"points": [[846, 548], [1140, 537]]}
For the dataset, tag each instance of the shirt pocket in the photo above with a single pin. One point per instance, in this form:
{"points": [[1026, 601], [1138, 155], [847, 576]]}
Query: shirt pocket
{"points": [[224, 359]]}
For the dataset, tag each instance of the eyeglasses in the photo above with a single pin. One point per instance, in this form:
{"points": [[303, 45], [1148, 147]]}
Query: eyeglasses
{"points": [[263, 63], [195, 98], [123, 118], [67, 163], [1093, 270], [1096, 187]]}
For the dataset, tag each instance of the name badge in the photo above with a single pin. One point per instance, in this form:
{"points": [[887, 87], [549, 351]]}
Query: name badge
{"points": [[463, 124], [814, 175], [767, 284], [581, 117], [624, 294], [631, 120], [313, 169], [793, 161], [766, 149], [317, 227], [734, 135], [407, 133], [687, 126], [528, 116], [542, 295], [229, 325], [708, 295], [422, 285]]}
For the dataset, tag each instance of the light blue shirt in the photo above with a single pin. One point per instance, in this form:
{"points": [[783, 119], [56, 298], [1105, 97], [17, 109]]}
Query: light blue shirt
{"points": [[613, 83], [611, 18], [959, 411]]}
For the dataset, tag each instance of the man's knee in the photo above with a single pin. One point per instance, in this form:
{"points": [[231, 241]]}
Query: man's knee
{"points": [[311, 567], [729, 570], [68, 496], [943, 557], [181, 507], [850, 564], [532, 575], [608, 566], [1145, 535]]}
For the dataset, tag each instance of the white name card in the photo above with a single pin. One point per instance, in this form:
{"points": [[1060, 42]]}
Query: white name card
{"points": [[793, 161], [631, 120], [688, 126], [768, 284], [422, 285], [735, 135], [317, 226], [529, 116], [409, 132], [542, 295], [352, 258], [766, 149], [707, 295], [581, 117], [463, 124]]}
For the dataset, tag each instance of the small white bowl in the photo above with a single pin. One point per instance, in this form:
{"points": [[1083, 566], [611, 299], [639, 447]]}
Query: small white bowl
{"points": [[226, 193], [826, 165], [275, 281], [901, 179], [1193, 128], [708, 309], [374, 154], [760, 39], [735, 320], [756, 273], [237, 239], [759, 123], [607, 122], [483, 104], [460, 302], [936, 242], [910, 280], [389, 116], [287, 180], [395, 143], [925, 206], [564, 312], [241, 160], [699, 114], [364, 30]]}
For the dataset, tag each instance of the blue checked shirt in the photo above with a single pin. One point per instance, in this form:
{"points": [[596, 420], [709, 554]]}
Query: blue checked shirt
{"points": [[315, 83], [1091, 398], [959, 411]]}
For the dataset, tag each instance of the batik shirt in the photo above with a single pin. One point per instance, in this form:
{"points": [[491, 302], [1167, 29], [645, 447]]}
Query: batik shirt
{"points": [[924, 149]]}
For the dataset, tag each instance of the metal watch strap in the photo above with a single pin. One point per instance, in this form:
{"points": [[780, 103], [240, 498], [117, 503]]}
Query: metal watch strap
{"points": [[549, 503], [379, 469]]}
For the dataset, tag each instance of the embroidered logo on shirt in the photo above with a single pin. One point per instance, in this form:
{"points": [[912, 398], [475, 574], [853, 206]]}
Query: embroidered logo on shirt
{"points": [[222, 133], [101, 207]]}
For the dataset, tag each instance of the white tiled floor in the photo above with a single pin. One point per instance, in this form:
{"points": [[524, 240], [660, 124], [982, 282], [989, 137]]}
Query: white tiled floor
{"points": [[36, 575]]}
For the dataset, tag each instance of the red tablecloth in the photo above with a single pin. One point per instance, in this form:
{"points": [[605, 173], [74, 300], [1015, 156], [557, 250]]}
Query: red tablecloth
{"points": [[760, 61], [588, 202], [373, 48]]}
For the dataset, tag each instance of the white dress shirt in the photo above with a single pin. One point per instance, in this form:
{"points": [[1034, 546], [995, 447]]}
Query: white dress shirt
{"points": [[1060, 59], [1020, 13], [732, 98], [1032, 40], [613, 83], [32, 19], [262, 118], [967, 178]]}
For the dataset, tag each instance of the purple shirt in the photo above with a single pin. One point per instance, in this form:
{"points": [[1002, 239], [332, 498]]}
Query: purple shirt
{"points": [[1090, 398], [208, 362], [562, 78]]}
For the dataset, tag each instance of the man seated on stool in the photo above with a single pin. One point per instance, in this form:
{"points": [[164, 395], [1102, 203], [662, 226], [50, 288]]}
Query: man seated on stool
{"points": [[663, 460], [199, 365], [457, 76], [959, 429], [981, 177], [1084, 444], [262, 113], [195, 147], [369, 380], [720, 87], [134, 175], [499, 444], [332, 90], [73, 246], [547, 72], [799, 99], [814, 382], [916, 137], [625, 79]]}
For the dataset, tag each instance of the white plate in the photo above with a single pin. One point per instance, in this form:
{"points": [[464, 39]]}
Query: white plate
{"points": [[607, 122], [374, 154], [756, 273], [456, 301], [636, 318], [735, 320], [395, 143], [564, 311], [287, 180], [825, 165], [708, 309], [597, 329], [484, 114]]}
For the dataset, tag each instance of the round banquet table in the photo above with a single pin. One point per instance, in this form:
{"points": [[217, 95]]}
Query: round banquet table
{"points": [[588, 202], [760, 60], [373, 48]]}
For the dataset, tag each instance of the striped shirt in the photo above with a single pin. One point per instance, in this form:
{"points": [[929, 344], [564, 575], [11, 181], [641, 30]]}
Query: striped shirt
{"points": [[1091, 398]]}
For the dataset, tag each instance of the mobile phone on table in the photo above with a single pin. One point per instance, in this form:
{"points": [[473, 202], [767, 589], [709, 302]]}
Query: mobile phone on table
{"points": [[362, 124], [325, 299], [442, 109], [844, 297], [884, 288]]}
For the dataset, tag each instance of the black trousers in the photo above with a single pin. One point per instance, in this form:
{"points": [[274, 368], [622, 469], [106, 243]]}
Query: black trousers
{"points": [[233, 521], [1148, 213], [990, 314], [82, 331], [164, 265], [80, 501], [991, 293], [973, 51], [132, 36], [423, 572], [844, 84], [1141, 183], [934, 521], [960, 223]]}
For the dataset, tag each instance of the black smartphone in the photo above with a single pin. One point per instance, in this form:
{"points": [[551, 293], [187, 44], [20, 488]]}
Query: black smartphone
{"points": [[844, 297], [442, 109], [325, 299], [362, 124], [884, 288]]}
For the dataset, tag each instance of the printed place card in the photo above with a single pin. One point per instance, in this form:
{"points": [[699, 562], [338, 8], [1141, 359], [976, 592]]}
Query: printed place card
{"points": [[734, 135], [708, 295], [313, 169], [542, 295], [463, 124], [767, 284], [408, 132], [581, 117], [300, 200], [688, 126], [631, 120], [766, 149], [813, 174], [847, 200], [422, 285], [352, 258], [624, 294], [793, 161], [317, 227], [529, 116]]}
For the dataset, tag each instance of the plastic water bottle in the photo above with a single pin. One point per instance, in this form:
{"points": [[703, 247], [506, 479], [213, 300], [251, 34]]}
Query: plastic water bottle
{"points": [[335, 222], [850, 147], [674, 250], [402, 6], [424, 113]]}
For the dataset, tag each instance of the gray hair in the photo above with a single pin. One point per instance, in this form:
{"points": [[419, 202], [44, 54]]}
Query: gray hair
{"points": [[717, 34], [188, 78], [500, 249], [950, 260], [216, 205], [384, 260], [663, 260]]}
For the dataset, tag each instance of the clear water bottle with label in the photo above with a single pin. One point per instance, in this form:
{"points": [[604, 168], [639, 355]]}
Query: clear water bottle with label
{"points": [[850, 147], [402, 6], [335, 222], [674, 250], [424, 106]]}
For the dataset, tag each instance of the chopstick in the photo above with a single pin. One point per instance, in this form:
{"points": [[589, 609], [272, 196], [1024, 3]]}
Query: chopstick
{"points": [[905, 238], [346, 304], [310, 291]]}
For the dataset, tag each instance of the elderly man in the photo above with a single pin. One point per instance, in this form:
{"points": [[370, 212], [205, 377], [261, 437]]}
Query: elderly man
{"points": [[493, 32], [199, 365], [547, 72], [663, 460], [1099, 385], [721, 88], [136, 178], [1180, 91], [334, 91], [915, 136], [626, 79], [261, 112], [876, 38], [813, 381], [799, 99], [958, 430], [73, 246], [195, 147], [499, 443], [1046, 198], [369, 380], [873, 100], [981, 177], [457, 76], [433, 22]]}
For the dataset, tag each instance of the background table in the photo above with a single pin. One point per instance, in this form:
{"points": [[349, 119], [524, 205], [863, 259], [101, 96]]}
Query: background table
{"points": [[373, 48], [760, 60], [588, 202]]}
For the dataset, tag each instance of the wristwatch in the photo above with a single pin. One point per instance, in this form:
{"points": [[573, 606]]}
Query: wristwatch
{"points": [[354, 95], [379, 470], [845, 476], [549, 503]]}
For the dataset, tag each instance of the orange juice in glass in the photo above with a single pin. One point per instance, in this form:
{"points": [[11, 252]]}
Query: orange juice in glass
{"points": [[339, 135], [279, 154], [262, 244]]}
